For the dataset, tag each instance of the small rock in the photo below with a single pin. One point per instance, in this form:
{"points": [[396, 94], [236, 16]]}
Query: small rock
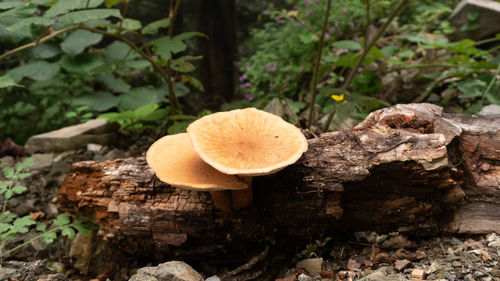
{"points": [[303, 277], [491, 109], [433, 268], [353, 265], [488, 21], [491, 237], [98, 131], [455, 241], [81, 251], [495, 273], [93, 147], [42, 161], [417, 274], [383, 274], [396, 242], [313, 265], [169, 271], [456, 263], [213, 278], [116, 154], [52, 210], [401, 264], [450, 258]]}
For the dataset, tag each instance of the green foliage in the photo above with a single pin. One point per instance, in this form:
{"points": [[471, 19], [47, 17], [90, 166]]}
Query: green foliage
{"points": [[281, 64], [74, 73], [11, 226]]}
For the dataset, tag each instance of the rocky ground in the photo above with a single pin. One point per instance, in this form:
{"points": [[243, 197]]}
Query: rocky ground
{"points": [[355, 256]]}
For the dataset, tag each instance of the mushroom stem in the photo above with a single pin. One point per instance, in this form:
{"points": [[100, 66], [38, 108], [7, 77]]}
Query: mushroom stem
{"points": [[222, 200], [243, 198]]}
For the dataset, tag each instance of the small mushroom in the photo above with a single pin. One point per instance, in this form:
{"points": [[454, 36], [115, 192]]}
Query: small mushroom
{"points": [[246, 142], [175, 162]]}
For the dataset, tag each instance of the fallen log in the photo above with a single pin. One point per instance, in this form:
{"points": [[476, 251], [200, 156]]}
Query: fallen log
{"points": [[408, 168]]}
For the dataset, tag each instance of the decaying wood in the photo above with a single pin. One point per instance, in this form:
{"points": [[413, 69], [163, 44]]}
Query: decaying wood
{"points": [[409, 168]]}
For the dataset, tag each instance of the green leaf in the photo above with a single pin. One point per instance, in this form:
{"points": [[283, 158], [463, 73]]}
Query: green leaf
{"points": [[19, 189], [131, 25], [153, 27], [49, 237], [347, 44], [166, 46], [471, 88], [178, 127], [10, 4], [8, 172], [23, 175], [472, 16], [142, 96], [156, 115], [78, 40], [4, 227], [64, 6], [180, 89], [24, 221], [29, 21], [44, 51], [62, 220], [347, 60], [9, 193], [82, 228], [3, 187], [389, 50], [37, 70], [7, 81], [189, 35], [113, 83], [195, 83], [41, 226], [143, 111], [117, 51], [97, 101], [26, 163], [90, 14], [83, 63], [69, 232]]}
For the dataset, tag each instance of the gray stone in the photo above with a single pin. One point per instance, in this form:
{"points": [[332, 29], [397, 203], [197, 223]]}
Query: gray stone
{"points": [[488, 20], [93, 147], [42, 161], [213, 278], [81, 252], [384, 274], [304, 277], [97, 131], [282, 109], [491, 109], [116, 154], [169, 271], [313, 266], [29, 271]]}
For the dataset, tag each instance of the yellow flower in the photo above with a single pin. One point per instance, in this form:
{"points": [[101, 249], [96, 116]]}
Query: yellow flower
{"points": [[338, 98]]}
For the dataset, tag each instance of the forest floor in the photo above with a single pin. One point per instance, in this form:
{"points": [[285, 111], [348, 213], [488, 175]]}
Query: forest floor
{"points": [[364, 255]]}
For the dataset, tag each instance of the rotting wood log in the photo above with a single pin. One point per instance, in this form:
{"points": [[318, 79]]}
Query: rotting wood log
{"points": [[408, 168]]}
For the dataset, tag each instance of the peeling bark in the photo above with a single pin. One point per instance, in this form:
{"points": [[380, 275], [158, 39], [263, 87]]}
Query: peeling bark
{"points": [[407, 168]]}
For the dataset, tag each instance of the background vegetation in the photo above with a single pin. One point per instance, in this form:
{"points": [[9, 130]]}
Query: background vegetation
{"points": [[328, 63]]}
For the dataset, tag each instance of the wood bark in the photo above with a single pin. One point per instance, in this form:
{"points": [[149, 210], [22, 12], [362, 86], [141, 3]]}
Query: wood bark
{"points": [[408, 168]]}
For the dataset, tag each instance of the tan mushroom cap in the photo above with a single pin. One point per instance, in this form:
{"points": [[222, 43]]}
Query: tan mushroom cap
{"points": [[175, 162], [247, 142]]}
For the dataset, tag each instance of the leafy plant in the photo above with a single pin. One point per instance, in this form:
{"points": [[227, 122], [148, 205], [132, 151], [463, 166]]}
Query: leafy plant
{"points": [[78, 53], [11, 226]]}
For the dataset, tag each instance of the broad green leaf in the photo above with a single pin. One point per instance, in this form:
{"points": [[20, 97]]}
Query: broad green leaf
{"points": [[113, 83], [180, 89], [471, 88], [69, 232], [83, 63], [348, 60], [7, 81], [166, 46], [143, 111], [307, 38], [97, 101], [19, 189], [183, 66], [178, 127], [64, 6], [37, 70], [29, 21], [389, 50], [153, 27], [376, 52], [49, 237], [26, 163], [142, 96], [117, 51], [8, 172], [23, 175], [23, 11], [137, 64], [9, 193], [41, 2], [195, 83], [82, 228], [78, 40], [61, 220], [10, 4], [347, 44], [156, 115], [131, 25], [3, 187], [118, 116], [44, 51], [90, 14]]}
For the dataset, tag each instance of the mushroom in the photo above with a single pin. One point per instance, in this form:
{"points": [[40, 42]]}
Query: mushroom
{"points": [[246, 142], [175, 162]]}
